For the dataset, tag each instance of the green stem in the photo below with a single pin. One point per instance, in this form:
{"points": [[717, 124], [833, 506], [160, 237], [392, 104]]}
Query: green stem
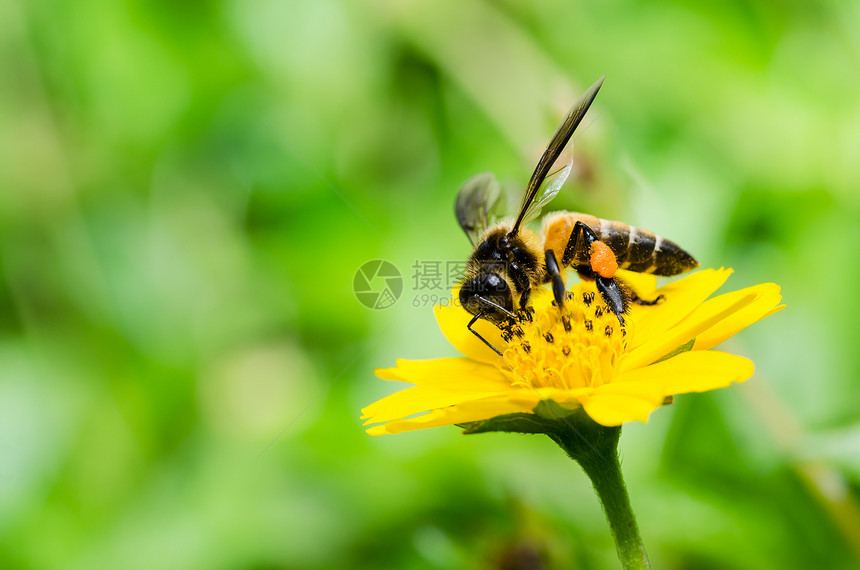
{"points": [[595, 448]]}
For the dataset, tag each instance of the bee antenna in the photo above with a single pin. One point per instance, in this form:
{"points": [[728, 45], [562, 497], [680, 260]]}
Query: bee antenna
{"points": [[496, 306]]}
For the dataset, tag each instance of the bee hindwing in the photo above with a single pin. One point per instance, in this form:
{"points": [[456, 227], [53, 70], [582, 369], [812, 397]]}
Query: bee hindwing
{"points": [[480, 203]]}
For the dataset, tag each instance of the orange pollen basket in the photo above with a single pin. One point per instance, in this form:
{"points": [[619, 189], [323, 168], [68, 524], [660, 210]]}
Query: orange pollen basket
{"points": [[603, 261]]}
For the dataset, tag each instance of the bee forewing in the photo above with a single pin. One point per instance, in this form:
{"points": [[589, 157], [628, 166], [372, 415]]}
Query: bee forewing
{"points": [[554, 149], [551, 186]]}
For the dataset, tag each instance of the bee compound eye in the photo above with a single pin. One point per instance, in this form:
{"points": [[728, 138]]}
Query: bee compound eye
{"points": [[493, 284], [470, 294], [485, 294], [467, 292]]}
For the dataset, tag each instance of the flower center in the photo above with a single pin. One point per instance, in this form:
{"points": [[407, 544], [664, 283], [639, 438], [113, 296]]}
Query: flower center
{"points": [[577, 346]]}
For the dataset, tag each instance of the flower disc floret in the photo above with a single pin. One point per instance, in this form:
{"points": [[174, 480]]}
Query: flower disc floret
{"points": [[577, 345]]}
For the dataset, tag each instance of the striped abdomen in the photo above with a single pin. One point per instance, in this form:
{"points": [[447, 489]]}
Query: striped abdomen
{"points": [[637, 250]]}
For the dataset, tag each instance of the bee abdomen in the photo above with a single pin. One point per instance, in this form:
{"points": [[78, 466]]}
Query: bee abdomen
{"points": [[643, 251], [635, 249]]}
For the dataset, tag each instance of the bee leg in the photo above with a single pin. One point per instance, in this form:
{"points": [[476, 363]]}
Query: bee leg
{"points": [[640, 301], [524, 312], [477, 334], [612, 292], [555, 275], [579, 244], [614, 296]]}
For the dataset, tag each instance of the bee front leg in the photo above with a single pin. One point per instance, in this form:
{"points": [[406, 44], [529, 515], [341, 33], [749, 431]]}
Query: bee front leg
{"points": [[524, 312], [555, 275]]}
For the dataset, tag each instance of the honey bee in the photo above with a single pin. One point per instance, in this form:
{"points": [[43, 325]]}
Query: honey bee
{"points": [[509, 259]]}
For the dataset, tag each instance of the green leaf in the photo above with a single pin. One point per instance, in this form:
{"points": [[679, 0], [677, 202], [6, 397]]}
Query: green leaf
{"points": [[515, 423], [548, 418], [551, 410]]}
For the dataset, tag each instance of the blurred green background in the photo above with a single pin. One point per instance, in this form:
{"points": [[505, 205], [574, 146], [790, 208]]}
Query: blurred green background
{"points": [[189, 188]]}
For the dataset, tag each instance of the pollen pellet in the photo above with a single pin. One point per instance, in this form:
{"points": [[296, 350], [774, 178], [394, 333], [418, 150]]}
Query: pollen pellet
{"points": [[603, 261]]}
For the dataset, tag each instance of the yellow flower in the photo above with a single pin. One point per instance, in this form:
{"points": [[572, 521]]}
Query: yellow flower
{"points": [[580, 356]]}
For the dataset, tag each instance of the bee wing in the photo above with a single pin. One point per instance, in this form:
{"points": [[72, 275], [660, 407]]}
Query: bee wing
{"points": [[554, 149], [549, 188], [480, 203]]}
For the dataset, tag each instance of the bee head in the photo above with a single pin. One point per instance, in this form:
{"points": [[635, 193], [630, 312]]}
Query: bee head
{"points": [[487, 293]]}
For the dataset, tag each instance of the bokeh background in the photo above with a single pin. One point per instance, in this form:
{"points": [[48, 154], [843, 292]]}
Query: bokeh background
{"points": [[189, 188]]}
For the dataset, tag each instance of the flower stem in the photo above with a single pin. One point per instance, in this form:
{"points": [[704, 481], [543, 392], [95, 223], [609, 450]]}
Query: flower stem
{"points": [[595, 448]]}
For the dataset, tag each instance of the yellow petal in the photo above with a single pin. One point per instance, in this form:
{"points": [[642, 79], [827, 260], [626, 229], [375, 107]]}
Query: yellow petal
{"points": [[568, 398], [471, 411], [453, 321], [686, 331], [765, 304], [644, 284], [416, 400], [681, 297], [697, 371], [439, 383], [613, 404], [454, 374]]}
